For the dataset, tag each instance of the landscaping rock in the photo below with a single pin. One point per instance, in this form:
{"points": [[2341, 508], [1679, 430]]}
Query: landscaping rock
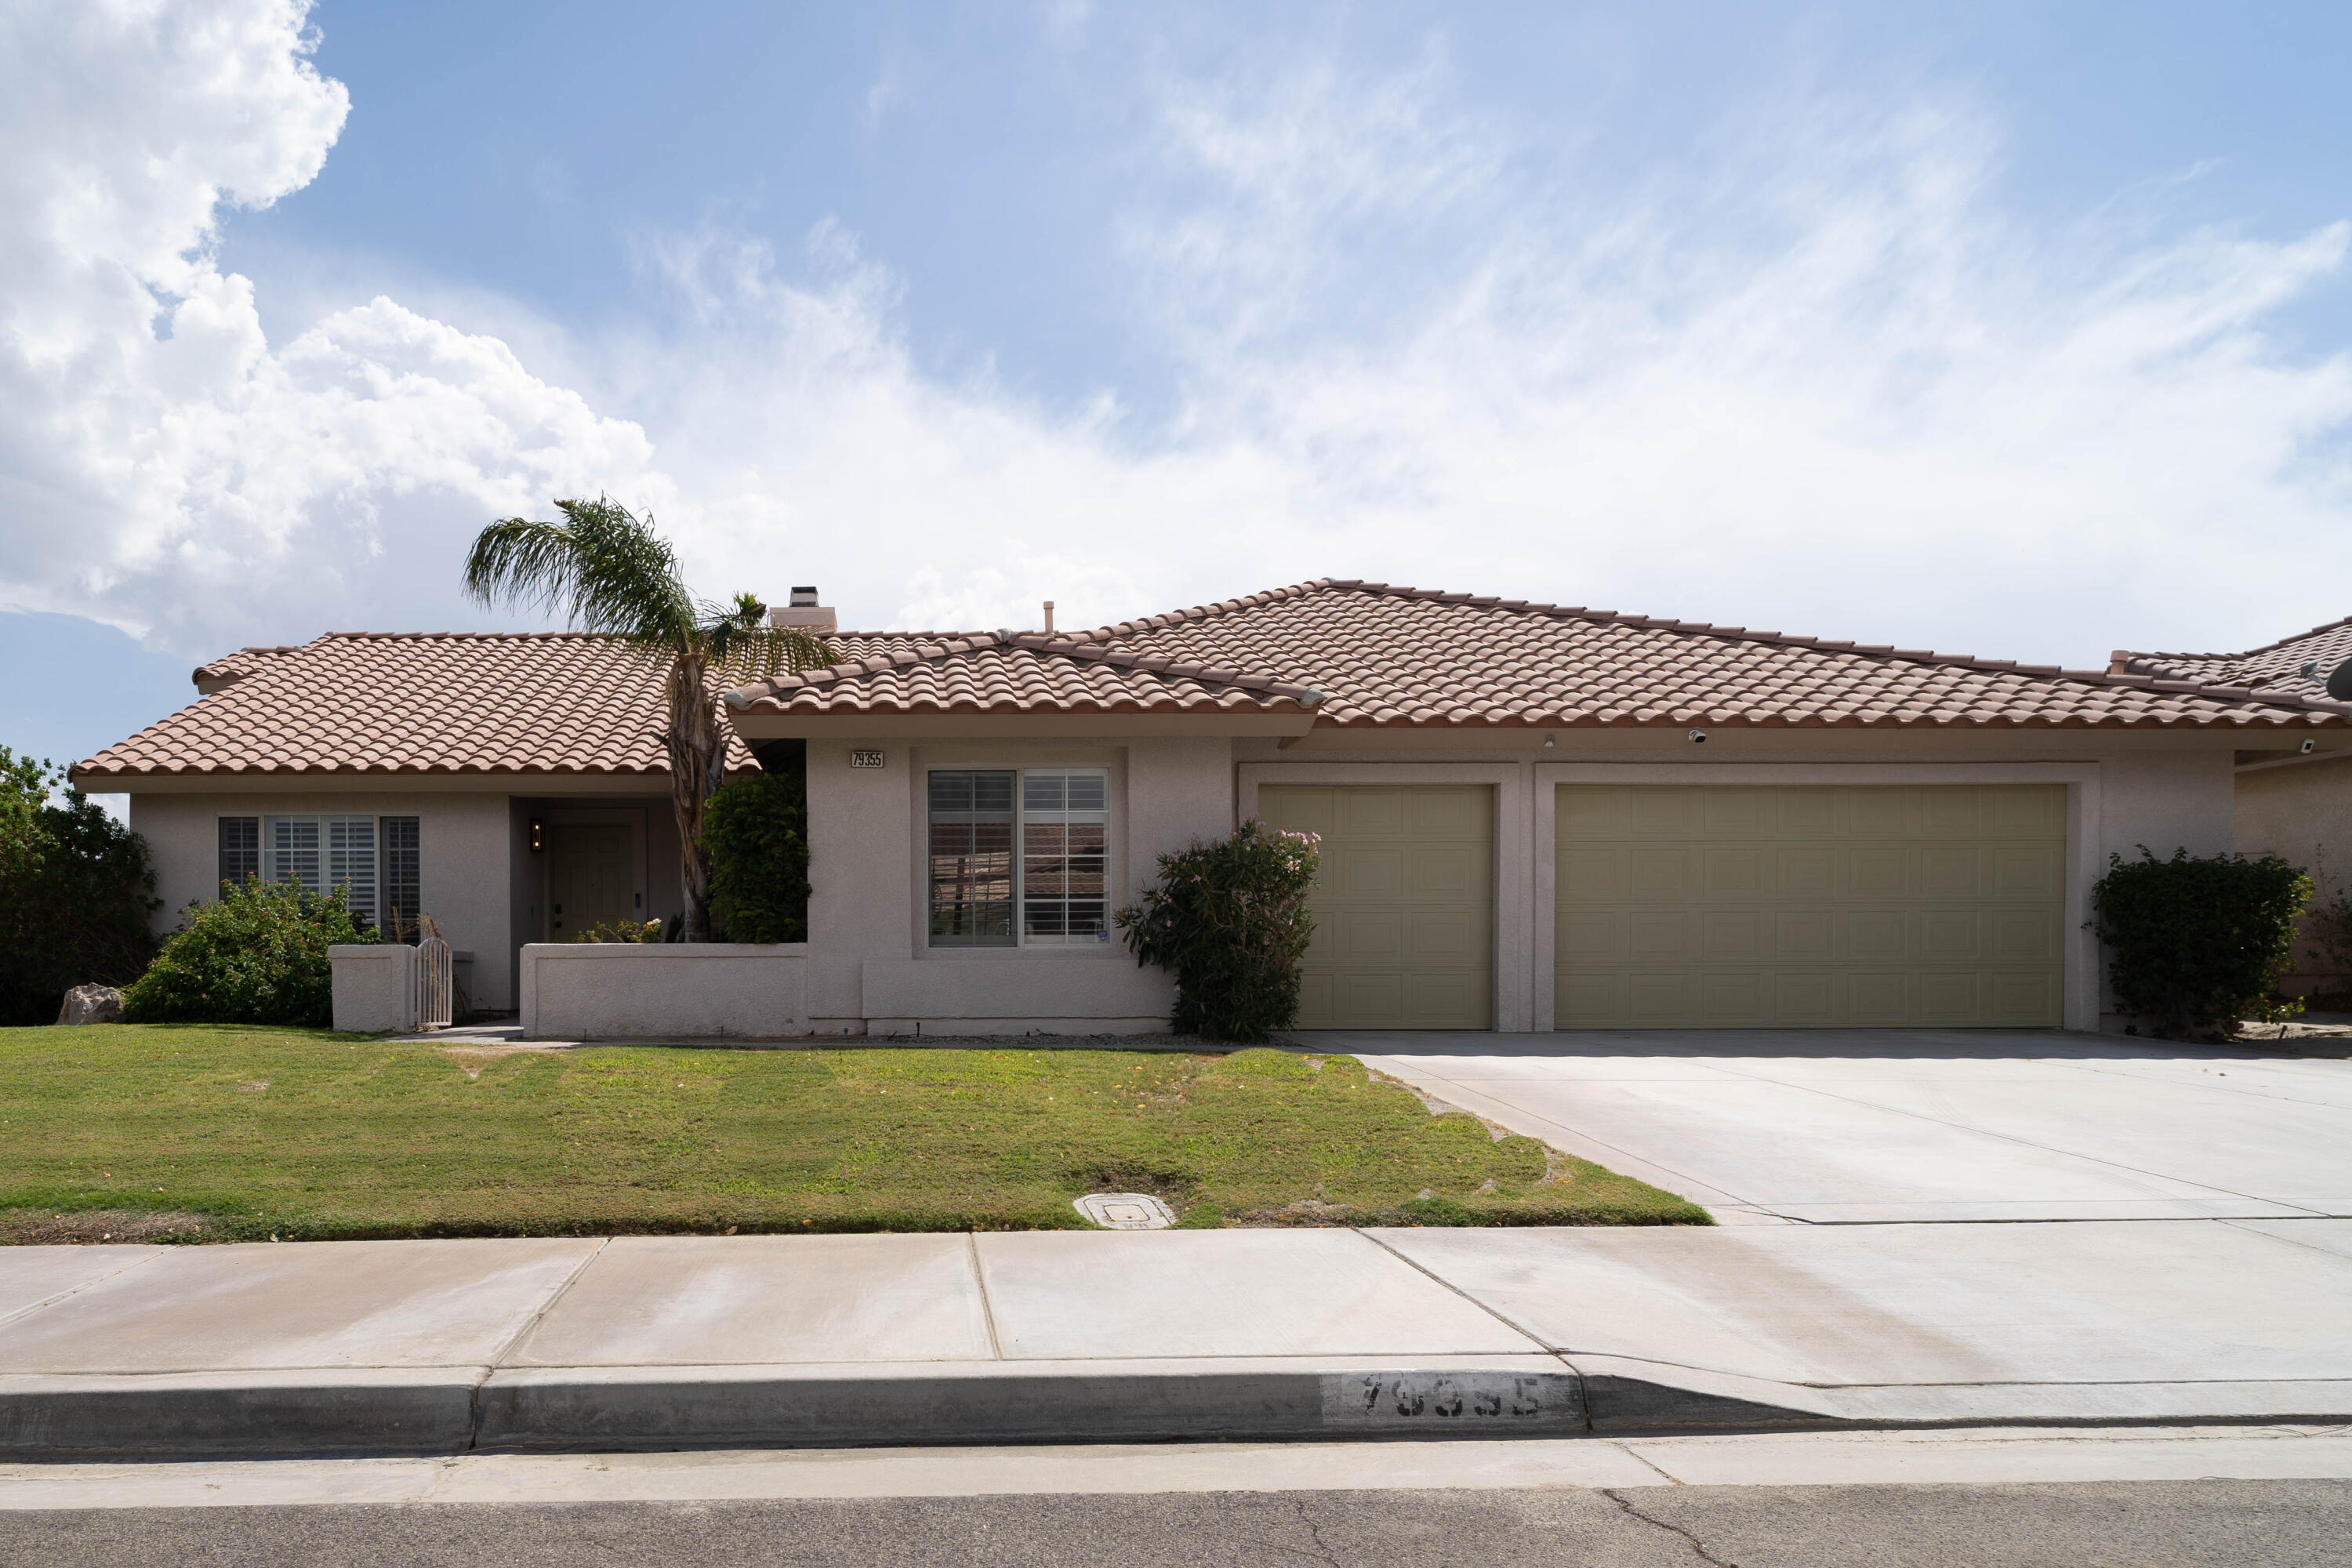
{"points": [[91, 1005]]}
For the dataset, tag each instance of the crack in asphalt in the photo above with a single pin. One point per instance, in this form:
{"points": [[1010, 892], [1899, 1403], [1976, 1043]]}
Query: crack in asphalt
{"points": [[1688, 1539]]}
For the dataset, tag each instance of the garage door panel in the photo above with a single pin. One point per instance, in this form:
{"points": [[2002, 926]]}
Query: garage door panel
{"points": [[1803, 935], [1359, 873], [1956, 934], [1820, 906], [1662, 873], [1950, 872], [1403, 902], [1454, 874], [1804, 998], [1735, 871], [1806, 872], [1883, 873], [1876, 935], [1731, 812], [2028, 872], [1592, 873], [1370, 814], [1366, 937]]}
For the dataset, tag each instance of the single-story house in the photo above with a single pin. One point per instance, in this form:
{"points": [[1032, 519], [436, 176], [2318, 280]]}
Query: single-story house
{"points": [[2292, 803], [1532, 816]]}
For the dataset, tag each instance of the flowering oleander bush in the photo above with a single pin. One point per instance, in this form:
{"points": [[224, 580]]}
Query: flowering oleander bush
{"points": [[1229, 920]]}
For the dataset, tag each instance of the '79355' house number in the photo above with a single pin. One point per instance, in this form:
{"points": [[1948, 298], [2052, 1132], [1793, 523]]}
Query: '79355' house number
{"points": [[864, 759]]}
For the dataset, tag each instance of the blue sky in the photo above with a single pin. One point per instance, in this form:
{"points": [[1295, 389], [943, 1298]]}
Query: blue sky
{"points": [[2004, 328]]}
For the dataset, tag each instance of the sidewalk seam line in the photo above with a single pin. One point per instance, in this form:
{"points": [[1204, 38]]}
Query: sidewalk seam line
{"points": [[491, 1366], [71, 1292], [980, 1283], [1583, 1393]]}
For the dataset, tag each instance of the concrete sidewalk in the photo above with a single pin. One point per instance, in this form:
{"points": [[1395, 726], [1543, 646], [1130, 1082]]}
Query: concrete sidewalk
{"points": [[436, 1347]]}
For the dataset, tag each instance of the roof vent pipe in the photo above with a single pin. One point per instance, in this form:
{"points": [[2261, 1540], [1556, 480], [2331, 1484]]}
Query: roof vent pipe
{"points": [[1049, 617]]}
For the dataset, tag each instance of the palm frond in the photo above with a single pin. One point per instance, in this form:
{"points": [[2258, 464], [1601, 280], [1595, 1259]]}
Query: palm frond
{"points": [[602, 568], [755, 652]]}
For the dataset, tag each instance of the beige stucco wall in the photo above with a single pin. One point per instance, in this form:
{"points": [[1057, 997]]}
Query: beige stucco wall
{"points": [[462, 869], [871, 967], [2302, 813]]}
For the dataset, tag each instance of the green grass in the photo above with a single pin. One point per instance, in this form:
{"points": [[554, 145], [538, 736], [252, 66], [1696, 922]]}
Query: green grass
{"points": [[232, 1132]]}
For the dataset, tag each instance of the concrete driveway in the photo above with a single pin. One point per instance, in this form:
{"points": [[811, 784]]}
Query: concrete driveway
{"points": [[1877, 1126]]}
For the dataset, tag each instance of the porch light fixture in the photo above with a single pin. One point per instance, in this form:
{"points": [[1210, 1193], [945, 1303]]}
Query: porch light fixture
{"points": [[538, 834]]}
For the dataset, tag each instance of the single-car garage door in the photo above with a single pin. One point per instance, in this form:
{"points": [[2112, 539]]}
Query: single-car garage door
{"points": [[1808, 906], [1404, 903]]}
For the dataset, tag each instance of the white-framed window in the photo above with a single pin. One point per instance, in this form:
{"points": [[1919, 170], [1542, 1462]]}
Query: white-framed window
{"points": [[377, 859], [1020, 857]]}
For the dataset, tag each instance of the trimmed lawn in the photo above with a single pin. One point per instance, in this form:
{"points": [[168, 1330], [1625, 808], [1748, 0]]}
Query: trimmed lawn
{"points": [[222, 1132]]}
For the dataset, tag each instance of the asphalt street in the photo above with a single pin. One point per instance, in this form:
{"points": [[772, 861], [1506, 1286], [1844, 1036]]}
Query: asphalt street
{"points": [[2230, 1524]]}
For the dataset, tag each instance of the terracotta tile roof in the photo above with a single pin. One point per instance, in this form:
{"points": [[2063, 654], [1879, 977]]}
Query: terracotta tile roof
{"points": [[1014, 672], [435, 703], [1407, 655], [230, 668], [2275, 668]]}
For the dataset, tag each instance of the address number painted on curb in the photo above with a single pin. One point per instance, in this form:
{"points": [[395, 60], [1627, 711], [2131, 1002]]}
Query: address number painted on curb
{"points": [[1443, 1398]]}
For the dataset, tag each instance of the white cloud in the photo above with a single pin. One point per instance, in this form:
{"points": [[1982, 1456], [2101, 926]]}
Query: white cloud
{"points": [[167, 470], [1818, 380]]}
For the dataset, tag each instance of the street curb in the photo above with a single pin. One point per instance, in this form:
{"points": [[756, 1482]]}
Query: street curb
{"points": [[454, 1410], [332, 1411]]}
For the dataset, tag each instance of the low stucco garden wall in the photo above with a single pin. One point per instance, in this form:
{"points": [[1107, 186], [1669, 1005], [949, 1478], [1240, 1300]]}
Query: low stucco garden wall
{"points": [[375, 987], [612, 991]]}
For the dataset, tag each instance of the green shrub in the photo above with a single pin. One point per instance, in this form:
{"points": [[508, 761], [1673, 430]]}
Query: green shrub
{"points": [[2196, 944], [257, 956], [756, 829], [622, 931], [77, 893], [1229, 920]]}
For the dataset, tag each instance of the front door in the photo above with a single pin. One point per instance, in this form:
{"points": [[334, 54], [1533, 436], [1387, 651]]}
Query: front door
{"points": [[591, 877]]}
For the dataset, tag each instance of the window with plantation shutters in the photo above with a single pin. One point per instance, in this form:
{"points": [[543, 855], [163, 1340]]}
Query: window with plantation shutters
{"points": [[1019, 858], [240, 849], [322, 854], [403, 878]]}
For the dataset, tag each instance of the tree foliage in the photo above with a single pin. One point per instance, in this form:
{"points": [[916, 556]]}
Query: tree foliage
{"points": [[757, 833], [259, 955], [2196, 944], [606, 570], [1229, 920], [77, 893]]}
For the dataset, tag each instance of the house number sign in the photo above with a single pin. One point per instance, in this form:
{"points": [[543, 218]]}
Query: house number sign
{"points": [[864, 759]]}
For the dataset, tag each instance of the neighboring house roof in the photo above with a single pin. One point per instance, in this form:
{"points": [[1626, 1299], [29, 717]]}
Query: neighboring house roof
{"points": [[1366, 654], [2275, 668], [358, 703]]}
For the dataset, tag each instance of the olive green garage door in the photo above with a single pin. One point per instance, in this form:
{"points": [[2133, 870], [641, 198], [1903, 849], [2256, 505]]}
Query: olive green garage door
{"points": [[1404, 903], [1810, 905]]}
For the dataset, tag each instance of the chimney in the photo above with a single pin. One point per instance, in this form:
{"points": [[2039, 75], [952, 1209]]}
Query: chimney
{"points": [[804, 614], [1049, 617]]}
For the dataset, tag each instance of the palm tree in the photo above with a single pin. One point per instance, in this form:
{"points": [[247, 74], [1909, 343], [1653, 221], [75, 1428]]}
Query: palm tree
{"points": [[607, 571]]}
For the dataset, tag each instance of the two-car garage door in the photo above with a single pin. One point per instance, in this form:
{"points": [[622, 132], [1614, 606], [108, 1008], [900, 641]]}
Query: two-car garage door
{"points": [[1808, 906], [1695, 906]]}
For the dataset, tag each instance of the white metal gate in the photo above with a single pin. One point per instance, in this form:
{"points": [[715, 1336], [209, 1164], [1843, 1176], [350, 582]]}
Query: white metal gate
{"points": [[437, 984]]}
